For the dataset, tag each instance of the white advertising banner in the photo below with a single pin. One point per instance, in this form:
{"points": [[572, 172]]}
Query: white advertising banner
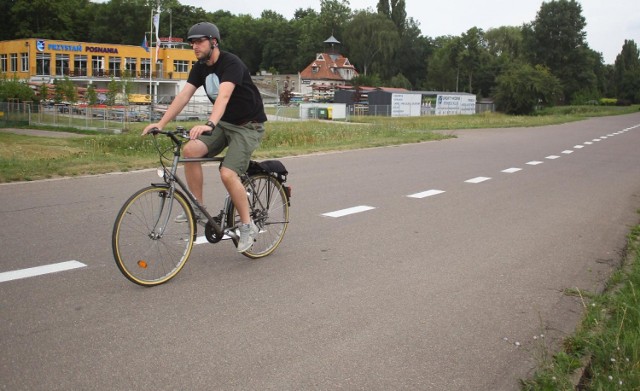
{"points": [[455, 104], [405, 105]]}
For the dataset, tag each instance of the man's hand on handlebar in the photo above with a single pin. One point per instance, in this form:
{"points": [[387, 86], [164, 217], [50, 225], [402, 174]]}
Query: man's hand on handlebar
{"points": [[198, 130], [151, 127]]}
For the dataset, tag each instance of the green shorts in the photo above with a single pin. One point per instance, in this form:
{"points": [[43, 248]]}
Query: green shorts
{"points": [[242, 140]]}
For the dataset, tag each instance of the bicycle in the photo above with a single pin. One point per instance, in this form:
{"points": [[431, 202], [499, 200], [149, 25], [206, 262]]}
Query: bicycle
{"points": [[150, 247]]}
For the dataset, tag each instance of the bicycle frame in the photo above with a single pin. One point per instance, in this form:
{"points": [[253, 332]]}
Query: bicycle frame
{"points": [[171, 178]]}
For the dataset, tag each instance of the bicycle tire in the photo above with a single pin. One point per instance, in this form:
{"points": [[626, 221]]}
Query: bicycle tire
{"points": [[269, 209], [143, 255]]}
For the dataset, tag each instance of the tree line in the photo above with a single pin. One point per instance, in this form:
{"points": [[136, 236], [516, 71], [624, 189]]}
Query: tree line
{"points": [[545, 61]]}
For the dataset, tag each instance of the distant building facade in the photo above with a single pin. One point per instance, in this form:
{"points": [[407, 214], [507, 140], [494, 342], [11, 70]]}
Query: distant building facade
{"points": [[326, 72], [38, 61]]}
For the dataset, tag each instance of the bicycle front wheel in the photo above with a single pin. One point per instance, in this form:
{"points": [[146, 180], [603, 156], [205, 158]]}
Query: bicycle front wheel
{"points": [[149, 246], [269, 208]]}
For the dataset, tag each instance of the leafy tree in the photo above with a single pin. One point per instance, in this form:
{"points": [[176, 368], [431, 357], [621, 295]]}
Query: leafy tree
{"points": [[57, 19], [523, 87], [279, 45], [366, 81], [384, 7], [504, 43], [91, 95], [113, 89], [371, 39], [556, 39], [626, 72], [15, 89], [58, 91], [243, 36], [399, 81], [413, 52], [394, 10], [310, 32], [334, 15], [127, 15], [43, 91], [69, 90], [442, 71], [472, 54]]}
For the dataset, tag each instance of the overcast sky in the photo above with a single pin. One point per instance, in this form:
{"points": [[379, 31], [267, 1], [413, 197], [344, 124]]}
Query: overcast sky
{"points": [[609, 22]]}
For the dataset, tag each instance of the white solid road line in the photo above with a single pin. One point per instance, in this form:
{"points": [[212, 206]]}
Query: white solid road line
{"points": [[40, 270]]}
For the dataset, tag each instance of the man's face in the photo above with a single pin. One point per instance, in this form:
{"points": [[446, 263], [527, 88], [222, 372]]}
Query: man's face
{"points": [[201, 48]]}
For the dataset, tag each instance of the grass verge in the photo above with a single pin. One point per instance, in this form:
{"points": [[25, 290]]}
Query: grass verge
{"points": [[25, 158], [607, 340]]}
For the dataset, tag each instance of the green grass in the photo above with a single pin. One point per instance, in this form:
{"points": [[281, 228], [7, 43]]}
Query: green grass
{"points": [[608, 338], [25, 158]]}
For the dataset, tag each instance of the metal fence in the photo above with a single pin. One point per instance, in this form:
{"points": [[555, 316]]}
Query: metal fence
{"points": [[14, 114], [120, 118]]}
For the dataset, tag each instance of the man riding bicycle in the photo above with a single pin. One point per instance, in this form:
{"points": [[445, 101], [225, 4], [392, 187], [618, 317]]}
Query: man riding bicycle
{"points": [[236, 121]]}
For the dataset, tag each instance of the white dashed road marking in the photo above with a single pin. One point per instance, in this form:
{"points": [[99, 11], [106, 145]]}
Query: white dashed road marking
{"points": [[534, 163], [40, 270], [348, 211], [479, 179], [425, 194], [512, 170]]}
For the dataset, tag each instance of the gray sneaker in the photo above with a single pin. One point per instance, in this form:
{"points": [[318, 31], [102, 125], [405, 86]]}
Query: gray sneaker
{"points": [[248, 234], [200, 218]]}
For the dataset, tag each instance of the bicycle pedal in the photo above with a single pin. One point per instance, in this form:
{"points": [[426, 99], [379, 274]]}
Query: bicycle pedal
{"points": [[231, 234]]}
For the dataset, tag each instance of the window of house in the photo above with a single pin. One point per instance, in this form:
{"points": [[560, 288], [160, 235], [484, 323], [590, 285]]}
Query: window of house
{"points": [[24, 62], [3, 63], [97, 65], [80, 65], [130, 66], [114, 66], [145, 68], [181, 66], [14, 62], [62, 64], [43, 64]]}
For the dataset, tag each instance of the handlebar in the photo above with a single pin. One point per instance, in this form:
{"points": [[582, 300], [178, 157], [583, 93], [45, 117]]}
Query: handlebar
{"points": [[180, 131]]}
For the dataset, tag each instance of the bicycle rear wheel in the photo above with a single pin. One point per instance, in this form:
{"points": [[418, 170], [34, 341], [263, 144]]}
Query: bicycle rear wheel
{"points": [[269, 208], [149, 246]]}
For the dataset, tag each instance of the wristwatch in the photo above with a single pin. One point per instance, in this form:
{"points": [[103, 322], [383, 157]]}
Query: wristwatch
{"points": [[210, 124]]}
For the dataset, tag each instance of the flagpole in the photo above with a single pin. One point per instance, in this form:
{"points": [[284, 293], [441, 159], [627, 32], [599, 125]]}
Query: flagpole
{"points": [[151, 67]]}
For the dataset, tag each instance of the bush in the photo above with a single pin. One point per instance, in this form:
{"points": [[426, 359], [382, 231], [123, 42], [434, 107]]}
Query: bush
{"points": [[523, 88], [623, 102], [608, 101]]}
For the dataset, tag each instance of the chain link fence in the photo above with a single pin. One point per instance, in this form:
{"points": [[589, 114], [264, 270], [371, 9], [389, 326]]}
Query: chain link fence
{"points": [[14, 114]]}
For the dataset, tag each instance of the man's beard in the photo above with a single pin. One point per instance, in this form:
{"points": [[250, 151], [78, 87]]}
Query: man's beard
{"points": [[204, 56]]}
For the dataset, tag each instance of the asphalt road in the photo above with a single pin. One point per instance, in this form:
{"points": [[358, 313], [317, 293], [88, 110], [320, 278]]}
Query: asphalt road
{"points": [[450, 276]]}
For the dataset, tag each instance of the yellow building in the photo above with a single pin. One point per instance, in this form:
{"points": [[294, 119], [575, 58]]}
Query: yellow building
{"points": [[43, 60]]}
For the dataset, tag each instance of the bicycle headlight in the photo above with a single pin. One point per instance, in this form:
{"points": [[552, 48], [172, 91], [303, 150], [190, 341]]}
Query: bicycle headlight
{"points": [[160, 172]]}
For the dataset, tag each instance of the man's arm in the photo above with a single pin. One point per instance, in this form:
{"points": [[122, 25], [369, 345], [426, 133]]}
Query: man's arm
{"points": [[179, 102], [224, 94]]}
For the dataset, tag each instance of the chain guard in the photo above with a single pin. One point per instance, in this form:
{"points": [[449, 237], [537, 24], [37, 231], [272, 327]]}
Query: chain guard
{"points": [[210, 233]]}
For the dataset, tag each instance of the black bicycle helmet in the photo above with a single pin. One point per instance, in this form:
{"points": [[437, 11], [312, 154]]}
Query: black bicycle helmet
{"points": [[203, 29]]}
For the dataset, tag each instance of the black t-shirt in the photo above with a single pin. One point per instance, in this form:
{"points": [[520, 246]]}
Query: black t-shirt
{"points": [[245, 104]]}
